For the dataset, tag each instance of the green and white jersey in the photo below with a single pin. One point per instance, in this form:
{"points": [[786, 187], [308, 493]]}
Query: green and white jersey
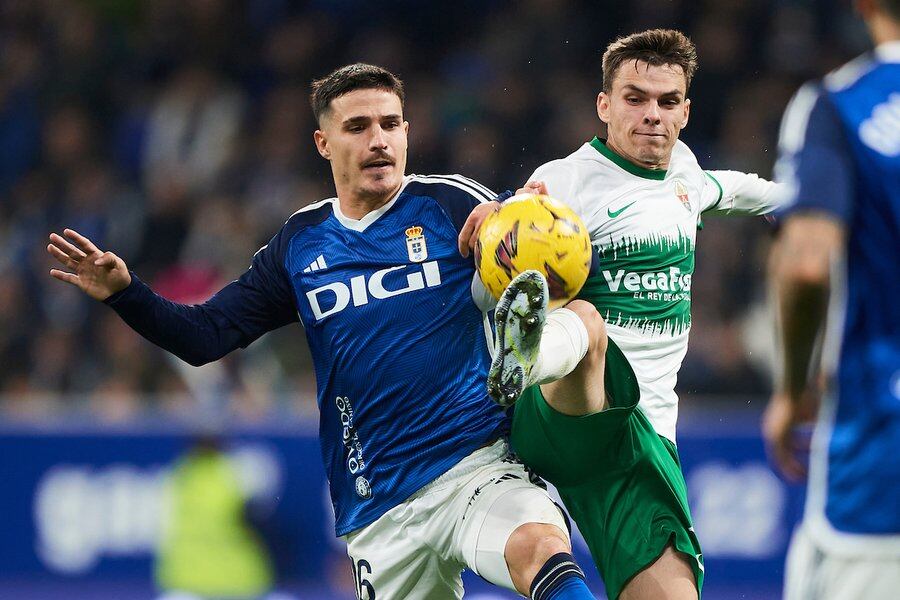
{"points": [[643, 225]]}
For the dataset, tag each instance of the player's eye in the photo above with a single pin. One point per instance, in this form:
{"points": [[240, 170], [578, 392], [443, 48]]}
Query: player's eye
{"points": [[633, 100]]}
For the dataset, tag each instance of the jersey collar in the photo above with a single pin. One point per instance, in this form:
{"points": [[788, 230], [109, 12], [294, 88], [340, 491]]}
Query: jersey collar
{"points": [[888, 52], [368, 218], [600, 146]]}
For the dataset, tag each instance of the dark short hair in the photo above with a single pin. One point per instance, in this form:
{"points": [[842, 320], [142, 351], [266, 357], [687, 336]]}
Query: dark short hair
{"points": [[358, 76], [655, 47]]}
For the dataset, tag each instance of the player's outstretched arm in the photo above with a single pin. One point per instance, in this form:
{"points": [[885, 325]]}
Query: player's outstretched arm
{"points": [[257, 302], [96, 273]]}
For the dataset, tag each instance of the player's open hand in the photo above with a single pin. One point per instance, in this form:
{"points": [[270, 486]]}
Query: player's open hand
{"points": [[784, 443], [469, 233], [98, 274]]}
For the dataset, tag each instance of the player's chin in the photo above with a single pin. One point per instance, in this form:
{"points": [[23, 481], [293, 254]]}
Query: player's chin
{"points": [[382, 173], [653, 150], [378, 184]]}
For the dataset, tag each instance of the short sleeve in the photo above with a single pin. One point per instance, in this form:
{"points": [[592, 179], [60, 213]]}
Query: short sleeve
{"points": [[712, 192], [737, 193], [814, 158]]}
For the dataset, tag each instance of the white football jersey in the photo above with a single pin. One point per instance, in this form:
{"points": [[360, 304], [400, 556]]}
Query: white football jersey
{"points": [[643, 225]]}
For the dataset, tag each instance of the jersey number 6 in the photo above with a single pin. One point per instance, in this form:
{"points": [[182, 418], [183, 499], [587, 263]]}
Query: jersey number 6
{"points": [[361, 582]]}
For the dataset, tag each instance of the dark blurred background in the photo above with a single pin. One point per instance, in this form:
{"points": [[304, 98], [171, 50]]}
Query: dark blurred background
{"points": [[177, 133]]}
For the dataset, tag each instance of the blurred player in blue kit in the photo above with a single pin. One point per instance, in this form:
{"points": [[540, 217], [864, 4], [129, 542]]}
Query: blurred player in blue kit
{"points": [[836, 279], [414, 448]]}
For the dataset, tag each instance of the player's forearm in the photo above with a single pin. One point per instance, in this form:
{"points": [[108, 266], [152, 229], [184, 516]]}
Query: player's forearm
{"points": [[194, 333], [800, 271], [802, 261], [747, 194], [803, 306]]}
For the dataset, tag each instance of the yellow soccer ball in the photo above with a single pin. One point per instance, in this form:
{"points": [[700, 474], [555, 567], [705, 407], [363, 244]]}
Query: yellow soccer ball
{"points": [[534, 232]]}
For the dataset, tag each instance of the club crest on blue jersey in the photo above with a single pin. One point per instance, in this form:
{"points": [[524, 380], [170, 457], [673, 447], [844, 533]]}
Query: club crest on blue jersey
{"points": [[415, 244], [681, 193], [363, 489]]}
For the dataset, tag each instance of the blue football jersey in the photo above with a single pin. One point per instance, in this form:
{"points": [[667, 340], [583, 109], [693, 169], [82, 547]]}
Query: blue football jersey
{"points": [[840, 154], [401, 350]]}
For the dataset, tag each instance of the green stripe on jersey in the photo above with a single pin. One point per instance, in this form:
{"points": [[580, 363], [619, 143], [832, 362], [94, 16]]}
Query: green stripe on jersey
{"points": [[718, 185]]}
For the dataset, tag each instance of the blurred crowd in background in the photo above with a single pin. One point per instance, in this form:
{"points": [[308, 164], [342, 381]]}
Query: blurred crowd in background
{"points": [[178, 134]]}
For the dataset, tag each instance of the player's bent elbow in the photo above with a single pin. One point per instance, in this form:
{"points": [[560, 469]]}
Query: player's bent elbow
{"points": [[196, 361], [199, 357], [806, 272]]}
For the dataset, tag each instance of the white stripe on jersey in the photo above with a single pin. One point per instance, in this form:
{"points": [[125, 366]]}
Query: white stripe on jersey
{"points": [[312, 206], [796, 117], [472, 182], [480, 193], [488, 334], [845, 76]]}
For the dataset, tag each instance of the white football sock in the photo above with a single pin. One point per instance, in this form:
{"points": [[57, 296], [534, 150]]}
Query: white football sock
{"points": [[564, 342]]}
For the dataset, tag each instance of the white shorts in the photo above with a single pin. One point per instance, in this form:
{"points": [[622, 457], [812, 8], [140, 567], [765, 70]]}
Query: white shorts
{"points": [[814, 573], [418, 549]]}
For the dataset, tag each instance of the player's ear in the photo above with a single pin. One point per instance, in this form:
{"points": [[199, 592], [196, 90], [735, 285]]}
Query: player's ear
{"points": [[687, 112], [603, 106], [321, 141]]}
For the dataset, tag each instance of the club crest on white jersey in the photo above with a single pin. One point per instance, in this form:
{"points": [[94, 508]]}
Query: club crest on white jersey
{"points": [[681, 192]]}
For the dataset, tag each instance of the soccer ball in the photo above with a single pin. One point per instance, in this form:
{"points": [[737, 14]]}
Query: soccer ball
{"points": [[534, 232]]}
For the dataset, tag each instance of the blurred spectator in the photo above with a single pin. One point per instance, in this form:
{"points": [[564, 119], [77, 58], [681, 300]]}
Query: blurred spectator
{"points": [[19, 111], [191, 133], [209, 548]]}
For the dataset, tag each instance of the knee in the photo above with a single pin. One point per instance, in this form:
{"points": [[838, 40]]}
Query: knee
{"points": [[533, 544], [593, 323]]}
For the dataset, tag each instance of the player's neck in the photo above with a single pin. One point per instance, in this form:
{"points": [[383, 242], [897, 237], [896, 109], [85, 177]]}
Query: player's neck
{"points": [[615, 147], [884, 29], [356, 206]]}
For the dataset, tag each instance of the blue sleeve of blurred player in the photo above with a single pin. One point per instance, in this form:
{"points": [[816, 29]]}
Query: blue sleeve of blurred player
{"points": [[815, 156], [259, 301]]}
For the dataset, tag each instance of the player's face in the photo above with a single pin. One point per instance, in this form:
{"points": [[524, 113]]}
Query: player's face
{"points": [[364, 136], [645, 111]]}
